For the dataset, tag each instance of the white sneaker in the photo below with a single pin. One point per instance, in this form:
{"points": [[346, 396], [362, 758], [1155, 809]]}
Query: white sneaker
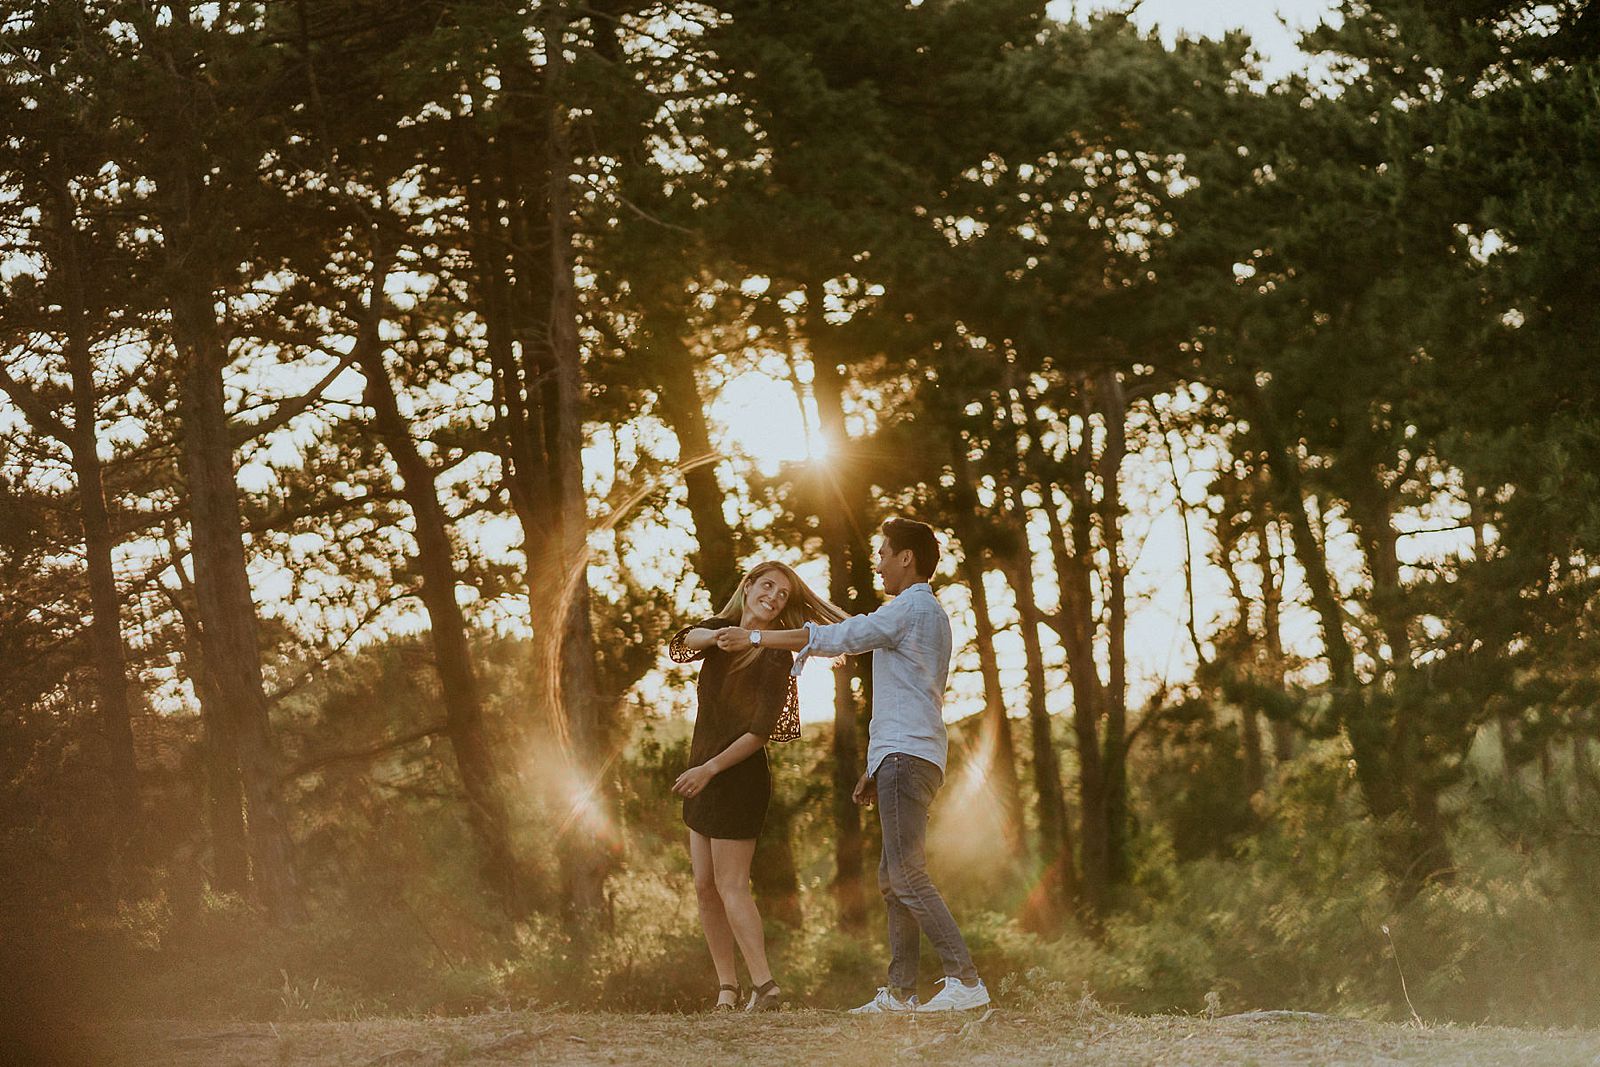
{"points": [[886, 1003], [957, 996]]}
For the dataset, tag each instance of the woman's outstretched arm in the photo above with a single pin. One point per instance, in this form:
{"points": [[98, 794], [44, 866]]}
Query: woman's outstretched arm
{"points": [[689, 643], [700, 639]]}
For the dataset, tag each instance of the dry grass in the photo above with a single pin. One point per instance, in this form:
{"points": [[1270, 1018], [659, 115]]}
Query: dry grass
{"points": [[1081, 1035]]}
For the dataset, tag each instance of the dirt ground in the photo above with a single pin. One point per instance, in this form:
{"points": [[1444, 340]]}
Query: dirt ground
{"points": [[1078, 1037]]}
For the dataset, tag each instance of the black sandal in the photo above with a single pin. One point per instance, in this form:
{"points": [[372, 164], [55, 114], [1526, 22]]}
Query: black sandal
{"points": [[719, 1006], [765, 997]]}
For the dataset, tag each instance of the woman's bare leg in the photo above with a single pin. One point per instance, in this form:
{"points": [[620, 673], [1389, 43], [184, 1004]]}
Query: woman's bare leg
{"points": [[731, 866], [713, 920]]}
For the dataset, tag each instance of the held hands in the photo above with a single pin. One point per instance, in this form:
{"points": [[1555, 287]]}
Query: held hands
{"points": [[693, 781], [733, 639], [866, 790]]}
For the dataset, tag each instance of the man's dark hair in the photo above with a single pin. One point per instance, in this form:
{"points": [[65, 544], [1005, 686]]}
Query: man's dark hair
{"points": [[903, 534]]}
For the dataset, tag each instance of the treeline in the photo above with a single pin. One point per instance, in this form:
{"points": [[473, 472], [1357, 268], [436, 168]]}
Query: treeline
{"points": [[321, 317]]}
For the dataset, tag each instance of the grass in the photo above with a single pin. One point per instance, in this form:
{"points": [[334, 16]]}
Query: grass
{"points": [[1080, 1034]]}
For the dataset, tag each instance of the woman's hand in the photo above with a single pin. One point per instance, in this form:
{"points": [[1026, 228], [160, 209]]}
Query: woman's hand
{"points": [[693, 781], [733, 639]]}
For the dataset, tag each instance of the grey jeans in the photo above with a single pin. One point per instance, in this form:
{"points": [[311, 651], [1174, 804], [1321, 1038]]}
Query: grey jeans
{"points": [[906, 787]]}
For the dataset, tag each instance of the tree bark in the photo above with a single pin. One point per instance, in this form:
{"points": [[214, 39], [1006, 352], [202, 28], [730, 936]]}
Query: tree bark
{"points": [[996, 744], [834, 520], [1425, 848], [682, 406], [1272, 584], [585, 847], [1371, 739], [1244, 660], [1060, 883], [458, 681], [111, 666], [224, 790], [1076, 627], [228, 634], [1113, 410], [188, 213]]}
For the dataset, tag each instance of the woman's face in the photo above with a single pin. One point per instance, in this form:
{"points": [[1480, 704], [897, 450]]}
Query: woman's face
{"points": [[766, 595]]}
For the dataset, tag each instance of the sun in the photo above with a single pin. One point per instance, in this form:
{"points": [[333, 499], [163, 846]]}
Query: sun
{"points": [[761, 417]]}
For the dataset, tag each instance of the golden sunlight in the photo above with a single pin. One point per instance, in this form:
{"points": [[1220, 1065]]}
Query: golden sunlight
{"points": [[761, 416]]}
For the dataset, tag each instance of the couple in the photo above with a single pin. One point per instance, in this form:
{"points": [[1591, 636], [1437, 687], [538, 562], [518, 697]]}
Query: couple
{"points": [[747, 697]]}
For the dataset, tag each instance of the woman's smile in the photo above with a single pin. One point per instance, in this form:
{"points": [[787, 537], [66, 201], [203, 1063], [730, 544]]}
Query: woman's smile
{"points": [[767, 597]]}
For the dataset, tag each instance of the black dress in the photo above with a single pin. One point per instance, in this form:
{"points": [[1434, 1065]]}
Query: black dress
{"points": [[760, 699]]}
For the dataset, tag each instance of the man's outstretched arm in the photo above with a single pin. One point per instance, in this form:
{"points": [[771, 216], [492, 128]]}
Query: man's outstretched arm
{"points": [[883, 628]]}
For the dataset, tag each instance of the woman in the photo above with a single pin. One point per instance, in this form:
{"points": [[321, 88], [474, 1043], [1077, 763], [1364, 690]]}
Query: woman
{"points": [[746, 698]]}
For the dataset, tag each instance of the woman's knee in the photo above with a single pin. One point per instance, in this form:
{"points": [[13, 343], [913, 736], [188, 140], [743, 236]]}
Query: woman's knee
{"points": [[732, 886], [705, 886]]}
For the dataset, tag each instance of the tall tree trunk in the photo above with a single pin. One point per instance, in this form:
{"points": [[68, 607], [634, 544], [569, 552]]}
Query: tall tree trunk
{"points": [[1272, 585], [584, 849], [1076, 627], [228, 634], [1370, 512], [834, 521], [458, 681], [1060, 881], [193, 268], [683, 408], [1114, 412], [1255, 774], [224, 790], [996, 744], [1243, 639], [111, 665], [1425, 848], [1371, 741]]}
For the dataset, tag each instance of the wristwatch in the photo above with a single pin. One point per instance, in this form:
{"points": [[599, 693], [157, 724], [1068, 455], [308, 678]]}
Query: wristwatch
{"points": [[755, 637]]}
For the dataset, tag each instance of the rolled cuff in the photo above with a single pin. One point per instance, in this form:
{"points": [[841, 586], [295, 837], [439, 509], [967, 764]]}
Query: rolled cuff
{"points": [[800, 657]]}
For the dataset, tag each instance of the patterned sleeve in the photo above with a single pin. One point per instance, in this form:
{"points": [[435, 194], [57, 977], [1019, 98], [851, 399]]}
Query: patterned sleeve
{"points": [[678, 647], [777, 714]]}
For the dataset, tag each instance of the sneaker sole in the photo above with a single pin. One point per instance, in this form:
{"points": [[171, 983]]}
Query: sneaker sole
{"points": [[947, 1011]]}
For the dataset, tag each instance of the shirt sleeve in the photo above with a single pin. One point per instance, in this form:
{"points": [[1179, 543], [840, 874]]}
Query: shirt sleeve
{"points": [[884, 628], [777, 701], [678, 647]]}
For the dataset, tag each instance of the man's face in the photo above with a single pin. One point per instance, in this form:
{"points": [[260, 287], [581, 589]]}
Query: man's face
{"points": [[897, 569]]}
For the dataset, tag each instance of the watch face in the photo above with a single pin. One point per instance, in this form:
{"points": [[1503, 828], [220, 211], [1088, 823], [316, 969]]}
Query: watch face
{"points": [[755, 637]]}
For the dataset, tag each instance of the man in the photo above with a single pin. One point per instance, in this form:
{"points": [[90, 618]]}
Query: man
{"points": [[906, 751]]}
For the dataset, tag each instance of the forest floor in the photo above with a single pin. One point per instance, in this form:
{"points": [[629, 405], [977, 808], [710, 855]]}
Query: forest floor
{"points": [[1079, 1036]]}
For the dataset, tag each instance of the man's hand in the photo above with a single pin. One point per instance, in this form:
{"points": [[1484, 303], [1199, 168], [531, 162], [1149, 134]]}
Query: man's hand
{"points": [[693, 781], [733, 639], [866, 790]]}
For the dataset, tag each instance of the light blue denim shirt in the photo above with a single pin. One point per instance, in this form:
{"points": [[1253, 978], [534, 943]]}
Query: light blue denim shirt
{"points": [[910, 639]]}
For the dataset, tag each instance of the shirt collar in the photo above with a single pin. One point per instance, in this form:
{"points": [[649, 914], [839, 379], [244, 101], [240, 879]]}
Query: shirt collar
{"points": [[917, 585]]}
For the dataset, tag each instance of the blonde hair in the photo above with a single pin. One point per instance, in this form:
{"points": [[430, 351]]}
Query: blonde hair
{"points": [[804, 605]]}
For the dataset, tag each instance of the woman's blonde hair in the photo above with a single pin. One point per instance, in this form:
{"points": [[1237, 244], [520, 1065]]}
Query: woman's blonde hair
{"points": [[804, 605]]}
